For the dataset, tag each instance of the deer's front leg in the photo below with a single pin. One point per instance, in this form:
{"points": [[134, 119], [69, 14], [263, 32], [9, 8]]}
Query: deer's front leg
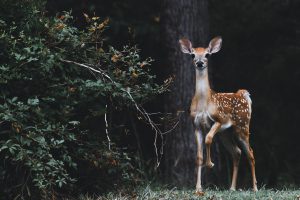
{"points": [[199, 161], [208, 140]]}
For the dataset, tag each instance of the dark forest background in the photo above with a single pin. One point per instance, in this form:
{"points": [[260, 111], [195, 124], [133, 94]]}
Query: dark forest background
{"points": [[260, 52]]}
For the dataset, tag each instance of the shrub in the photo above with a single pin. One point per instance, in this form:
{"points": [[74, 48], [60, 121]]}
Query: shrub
{"points": [[50, 109]]}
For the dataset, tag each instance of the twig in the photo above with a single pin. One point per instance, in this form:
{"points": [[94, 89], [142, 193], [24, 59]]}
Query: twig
{"points": [[88, 67], [106, 127]]}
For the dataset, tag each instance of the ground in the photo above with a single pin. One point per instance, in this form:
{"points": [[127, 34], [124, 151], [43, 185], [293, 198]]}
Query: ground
{"points": [[173, 194]]}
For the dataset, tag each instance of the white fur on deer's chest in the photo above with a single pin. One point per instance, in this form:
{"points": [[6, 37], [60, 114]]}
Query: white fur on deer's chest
{"points": [[202, 119]]}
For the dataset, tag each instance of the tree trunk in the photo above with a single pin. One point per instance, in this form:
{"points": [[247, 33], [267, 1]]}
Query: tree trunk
{"points": [[182, 18]]}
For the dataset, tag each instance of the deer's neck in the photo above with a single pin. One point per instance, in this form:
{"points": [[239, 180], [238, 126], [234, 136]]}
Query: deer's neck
{"points": [[203, 91]]}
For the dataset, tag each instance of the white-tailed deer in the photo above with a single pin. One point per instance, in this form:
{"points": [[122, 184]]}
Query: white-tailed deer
{"points": [[222, 110]]}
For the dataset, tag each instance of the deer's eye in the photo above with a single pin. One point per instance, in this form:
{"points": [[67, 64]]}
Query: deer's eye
{"points": [[193, 56]]}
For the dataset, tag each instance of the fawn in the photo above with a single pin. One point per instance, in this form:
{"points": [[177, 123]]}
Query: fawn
{"points": [[224, 110]]}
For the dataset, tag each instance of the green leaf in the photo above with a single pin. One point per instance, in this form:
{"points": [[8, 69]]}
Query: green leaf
{"points": [[33, 102], [74, 123]]}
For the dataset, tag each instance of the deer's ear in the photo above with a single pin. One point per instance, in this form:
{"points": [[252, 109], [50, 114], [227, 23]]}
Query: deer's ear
{"points": [[185, 45], [215, 45]]}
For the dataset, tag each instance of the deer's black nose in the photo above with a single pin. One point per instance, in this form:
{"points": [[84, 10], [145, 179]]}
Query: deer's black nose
{"points": [[193, 56], [200, 65]]}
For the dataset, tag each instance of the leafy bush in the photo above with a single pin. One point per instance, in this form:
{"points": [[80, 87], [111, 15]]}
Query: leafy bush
{"points": [[50, 109]]}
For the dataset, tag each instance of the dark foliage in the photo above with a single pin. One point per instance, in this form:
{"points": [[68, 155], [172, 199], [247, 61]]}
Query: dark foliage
{"points": [[52, 135]]}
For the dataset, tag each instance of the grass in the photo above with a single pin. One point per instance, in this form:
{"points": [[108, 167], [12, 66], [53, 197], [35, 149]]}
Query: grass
{"points": [[173, 194]]}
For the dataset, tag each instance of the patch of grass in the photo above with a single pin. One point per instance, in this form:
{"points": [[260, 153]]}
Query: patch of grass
{"points": [[157, 193]]}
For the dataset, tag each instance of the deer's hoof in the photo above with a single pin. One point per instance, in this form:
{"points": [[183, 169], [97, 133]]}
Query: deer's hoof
{"points": [[210, 164], [199, 192]]}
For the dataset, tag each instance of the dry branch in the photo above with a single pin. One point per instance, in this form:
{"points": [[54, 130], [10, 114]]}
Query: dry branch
{"points": [[139, 108]]}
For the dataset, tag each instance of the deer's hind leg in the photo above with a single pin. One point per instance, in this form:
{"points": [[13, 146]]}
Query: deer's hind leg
{"points": [[244, 139], [235, 152]]}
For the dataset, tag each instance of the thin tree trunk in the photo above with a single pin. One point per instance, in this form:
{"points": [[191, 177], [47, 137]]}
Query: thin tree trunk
{"points": [[182, 18]]}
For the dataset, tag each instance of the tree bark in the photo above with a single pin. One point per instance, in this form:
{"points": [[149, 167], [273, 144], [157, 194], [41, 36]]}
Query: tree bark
{"points": [[181, 18]]}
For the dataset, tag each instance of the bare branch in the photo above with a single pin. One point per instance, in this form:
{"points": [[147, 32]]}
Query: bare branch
{"points": [[106, 127], [140, 109]]}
